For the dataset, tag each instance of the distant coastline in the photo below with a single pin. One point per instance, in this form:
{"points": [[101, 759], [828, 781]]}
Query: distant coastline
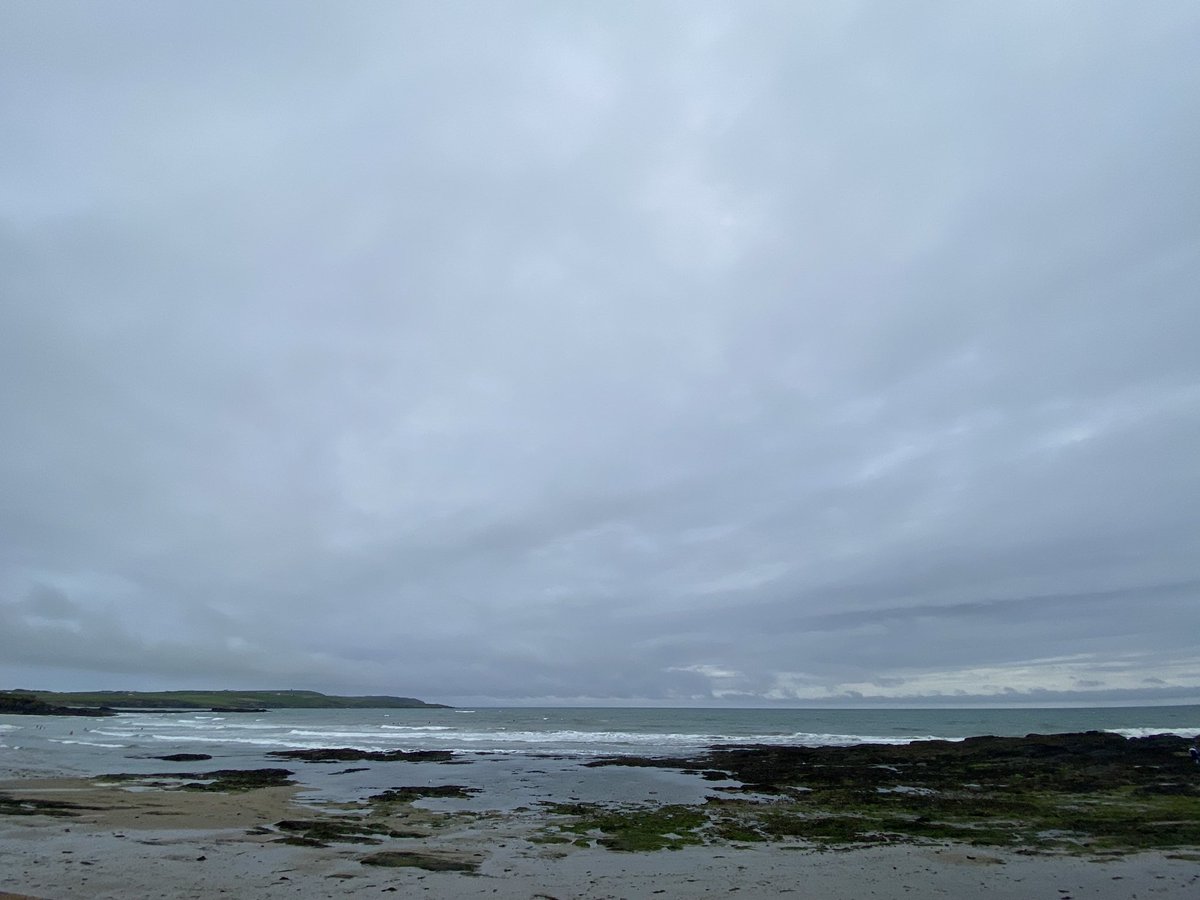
{"points": [[92, 703]]}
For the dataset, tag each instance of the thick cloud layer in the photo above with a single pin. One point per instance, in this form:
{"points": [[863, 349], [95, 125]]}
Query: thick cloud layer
{"points": [[668, 352]]}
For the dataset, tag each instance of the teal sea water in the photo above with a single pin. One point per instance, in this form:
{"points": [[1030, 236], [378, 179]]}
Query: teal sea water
{"points": [[577, 732], [513, 757]]}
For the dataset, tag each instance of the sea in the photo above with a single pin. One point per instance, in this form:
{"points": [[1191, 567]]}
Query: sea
{"points": [[512, 756]]}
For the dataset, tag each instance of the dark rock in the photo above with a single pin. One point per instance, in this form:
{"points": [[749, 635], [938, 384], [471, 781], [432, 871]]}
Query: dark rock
{"points": [[221, 780], [1169, 742], [409, 794], [299, 840], [1078, 762], [349, 754], [183, 757], [244, 779]]}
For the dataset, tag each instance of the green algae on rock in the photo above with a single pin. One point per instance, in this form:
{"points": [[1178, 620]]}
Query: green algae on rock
{"points": [[634, 828], [1091, 792]]}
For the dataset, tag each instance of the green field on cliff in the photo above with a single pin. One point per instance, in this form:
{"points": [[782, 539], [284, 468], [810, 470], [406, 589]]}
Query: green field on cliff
{"points": [[226, 699]]}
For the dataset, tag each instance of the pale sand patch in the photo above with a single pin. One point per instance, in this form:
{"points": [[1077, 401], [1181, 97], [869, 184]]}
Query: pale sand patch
{"points": [[126, 807]]}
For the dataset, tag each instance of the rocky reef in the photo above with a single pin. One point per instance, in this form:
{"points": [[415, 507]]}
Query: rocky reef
{"points": [[1079, 761], [1093, 792]]}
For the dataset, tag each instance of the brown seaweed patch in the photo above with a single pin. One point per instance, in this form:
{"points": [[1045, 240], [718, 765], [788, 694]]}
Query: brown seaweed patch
{"points": [[11, 806], [350, 754], [321, 832], [427, 861]]}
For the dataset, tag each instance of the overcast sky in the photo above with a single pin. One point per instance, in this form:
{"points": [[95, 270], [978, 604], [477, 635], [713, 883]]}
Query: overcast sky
{"points": [[551, 352]]}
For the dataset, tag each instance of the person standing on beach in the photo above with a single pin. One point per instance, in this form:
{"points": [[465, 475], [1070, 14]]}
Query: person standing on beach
{"points": [[1194, 752]]}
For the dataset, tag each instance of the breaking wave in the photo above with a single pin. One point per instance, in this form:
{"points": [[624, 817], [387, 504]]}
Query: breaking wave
{"points": [[499, 740], [1190, 731]]}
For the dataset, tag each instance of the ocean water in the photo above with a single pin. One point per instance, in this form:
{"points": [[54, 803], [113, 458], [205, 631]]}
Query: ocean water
{"points": [[514, 757], [41, 742]]}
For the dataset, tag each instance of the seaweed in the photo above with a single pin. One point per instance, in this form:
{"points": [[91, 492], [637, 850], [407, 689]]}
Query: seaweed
{"points": [[320, 832], [1091, 792], [636, 828], [11, 806], [413, 859]]}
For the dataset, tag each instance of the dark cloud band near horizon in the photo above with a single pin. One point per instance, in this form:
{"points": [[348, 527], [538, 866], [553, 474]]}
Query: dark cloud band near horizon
{"points": [[677, 353]]}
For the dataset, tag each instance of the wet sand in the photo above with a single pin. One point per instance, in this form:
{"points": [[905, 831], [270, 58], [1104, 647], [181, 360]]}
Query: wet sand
{"points": [[176, 844]]}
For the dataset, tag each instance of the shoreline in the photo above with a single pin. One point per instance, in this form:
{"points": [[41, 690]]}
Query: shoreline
{"points": [[835, 821]]}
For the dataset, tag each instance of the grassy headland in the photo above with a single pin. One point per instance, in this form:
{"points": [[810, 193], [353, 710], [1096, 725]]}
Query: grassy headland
{"points": [[21, 701]]}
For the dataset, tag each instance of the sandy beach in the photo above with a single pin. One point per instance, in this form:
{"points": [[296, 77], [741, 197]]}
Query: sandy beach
{"points": [[108, 813], [175, 844]]}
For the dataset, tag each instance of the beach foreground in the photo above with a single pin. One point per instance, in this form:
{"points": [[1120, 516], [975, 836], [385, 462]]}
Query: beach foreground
{"points": [[1063, 816], [175, 844]]}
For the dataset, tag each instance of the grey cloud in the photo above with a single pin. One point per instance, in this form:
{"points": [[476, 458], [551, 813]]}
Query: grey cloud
{"points": [[677, 352], [49, 631]]}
